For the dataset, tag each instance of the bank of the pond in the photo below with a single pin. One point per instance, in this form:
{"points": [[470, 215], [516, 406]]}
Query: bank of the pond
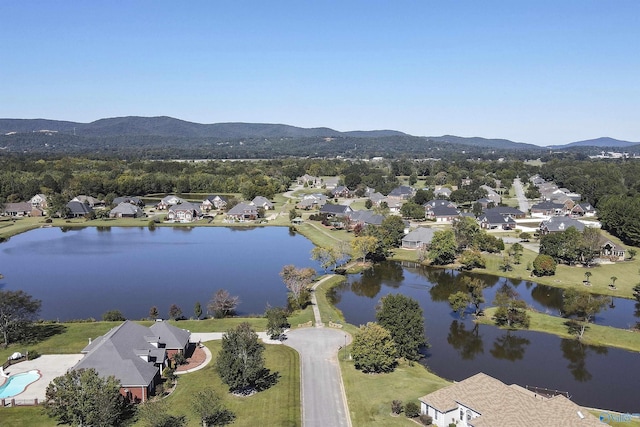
{"points": [[597, 335]]}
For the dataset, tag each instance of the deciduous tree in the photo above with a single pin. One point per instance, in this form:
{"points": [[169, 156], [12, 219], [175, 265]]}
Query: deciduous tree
{"points": [[17, 309], [511, 310], [84, 398], [326, 257], [583, 306], [297, 281], [443, 247], [544, 265], [373, 349], [277, 321], [210, 409], [175, 312], [363, 245], [240, 362], [222, 304], [402, 317]]}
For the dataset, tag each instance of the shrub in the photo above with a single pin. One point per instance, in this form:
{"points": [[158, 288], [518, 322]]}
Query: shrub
{"points": [[426, 420], [33, 354], [544, 265], [169, 373], [411, 410], [113, 316], [179, 359], [396, 406]]}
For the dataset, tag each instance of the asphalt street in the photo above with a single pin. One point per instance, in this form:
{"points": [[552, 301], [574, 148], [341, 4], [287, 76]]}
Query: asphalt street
{"points": [[323, 401]]}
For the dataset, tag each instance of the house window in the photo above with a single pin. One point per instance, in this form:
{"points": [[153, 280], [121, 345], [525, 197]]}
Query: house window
{"points": [[461, 414]]}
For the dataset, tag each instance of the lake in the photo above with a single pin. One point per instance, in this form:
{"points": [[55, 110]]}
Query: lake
{"points": [[593, 376], [82, 273]]}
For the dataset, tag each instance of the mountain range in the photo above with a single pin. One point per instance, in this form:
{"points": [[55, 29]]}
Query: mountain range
{"points": [[169, 127]]}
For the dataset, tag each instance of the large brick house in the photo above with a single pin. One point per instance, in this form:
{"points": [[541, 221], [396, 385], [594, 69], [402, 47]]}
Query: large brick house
{"points": [[135, 355]]}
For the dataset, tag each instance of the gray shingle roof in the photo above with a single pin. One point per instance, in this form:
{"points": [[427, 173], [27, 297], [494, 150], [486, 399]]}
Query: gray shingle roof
{"points": [[560, 223], [174, 338], [119, 352], [421, 235]]}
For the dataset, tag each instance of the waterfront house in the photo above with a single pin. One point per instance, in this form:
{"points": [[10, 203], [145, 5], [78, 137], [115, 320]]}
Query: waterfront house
{"points": [[243, 212], [39, 201], [78, 209], [420, 238], [184, 212], [126, 210]]}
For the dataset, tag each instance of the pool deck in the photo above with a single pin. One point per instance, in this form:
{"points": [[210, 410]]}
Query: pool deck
{"points": [[50, 366]]}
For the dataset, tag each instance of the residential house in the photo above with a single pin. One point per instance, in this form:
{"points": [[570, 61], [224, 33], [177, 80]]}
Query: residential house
{"points": [[441, 213], [312, 201], [169, 201], [330, 182], [126, 210], [78, 209], [213, 202], [403, 192], [175, 340], [20, 209], [394, 205], [583, 209], [485, 203], [442, 192], [465, 182], [128, 199], [377, 198], [439, 202], [184, 212], [262, 202], [134, 354], [243, 212], [492, 194], [506, 211], [310, 180], [610, 251], [341, 191], [491, 220], [420, 238], [483, 401], [89, 200], [364, 218], [547, 208], [335, 210], [39, 201], [557, 224]]}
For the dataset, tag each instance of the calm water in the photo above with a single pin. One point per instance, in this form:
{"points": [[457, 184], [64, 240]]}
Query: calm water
{"points": [[83, 273], [593, 376]]}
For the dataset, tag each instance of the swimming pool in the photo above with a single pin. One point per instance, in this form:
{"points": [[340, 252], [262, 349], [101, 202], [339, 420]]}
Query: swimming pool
{"points": [[16, 384]]}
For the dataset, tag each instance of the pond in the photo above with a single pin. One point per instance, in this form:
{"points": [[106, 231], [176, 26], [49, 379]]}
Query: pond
{"points": [[82, 273], [593, 376]]}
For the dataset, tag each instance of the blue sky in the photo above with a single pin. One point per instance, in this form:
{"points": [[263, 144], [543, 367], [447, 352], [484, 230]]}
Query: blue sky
{"points": [[542, 72]]}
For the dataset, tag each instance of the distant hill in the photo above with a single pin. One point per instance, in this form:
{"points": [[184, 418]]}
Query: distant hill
{"points": [[170, 127], [603, 142], [502, 144]]}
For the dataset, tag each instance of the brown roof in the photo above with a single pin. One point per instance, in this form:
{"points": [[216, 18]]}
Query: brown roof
{"points": [[503, 405]]}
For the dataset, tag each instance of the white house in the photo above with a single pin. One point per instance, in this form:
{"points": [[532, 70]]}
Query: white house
{"points": [[483, 401]]}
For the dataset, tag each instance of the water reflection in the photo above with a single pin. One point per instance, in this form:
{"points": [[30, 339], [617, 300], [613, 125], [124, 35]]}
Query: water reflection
{"points": [[576, 353], [467, 342], [369, 282], [509, 346]]}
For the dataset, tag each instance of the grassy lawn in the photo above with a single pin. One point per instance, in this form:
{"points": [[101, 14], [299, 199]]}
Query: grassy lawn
{"points": [[370, 396], [321, 236], [277, 406], [594, 335], [566, 276]]}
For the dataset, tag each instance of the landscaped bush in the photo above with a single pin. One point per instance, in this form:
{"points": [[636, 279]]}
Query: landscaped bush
{"points": [[396, 406], [426, 420], [179, 359], [411, 410], [544, 265], [33, 354]]}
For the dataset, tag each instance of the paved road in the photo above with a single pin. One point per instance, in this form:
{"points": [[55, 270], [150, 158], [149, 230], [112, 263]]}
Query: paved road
{"points": [[323, 401], [522, 200]]}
